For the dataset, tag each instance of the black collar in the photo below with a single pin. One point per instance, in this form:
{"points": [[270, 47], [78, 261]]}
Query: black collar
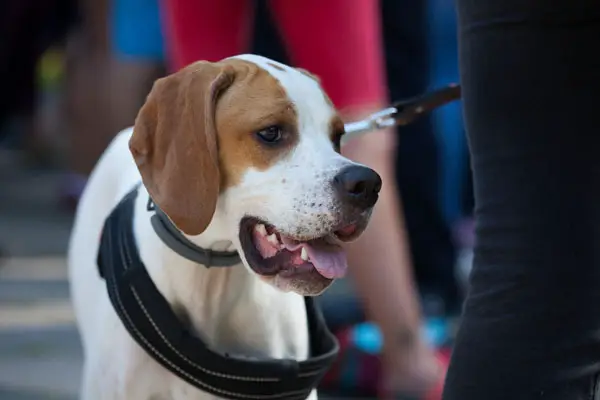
{"points": [[151, 322], [176, 241]]}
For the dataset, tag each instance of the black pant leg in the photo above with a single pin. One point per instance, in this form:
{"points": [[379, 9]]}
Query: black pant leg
{"points": [[531, 81]]}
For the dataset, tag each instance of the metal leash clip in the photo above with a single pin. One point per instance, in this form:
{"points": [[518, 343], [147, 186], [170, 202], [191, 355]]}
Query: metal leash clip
{"points": [[403, 112]]}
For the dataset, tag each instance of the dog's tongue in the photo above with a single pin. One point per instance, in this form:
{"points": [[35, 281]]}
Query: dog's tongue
{"points": [[329, 259]]}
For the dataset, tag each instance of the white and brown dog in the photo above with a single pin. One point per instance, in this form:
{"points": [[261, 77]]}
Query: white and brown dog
{"points": [[241, 154]]}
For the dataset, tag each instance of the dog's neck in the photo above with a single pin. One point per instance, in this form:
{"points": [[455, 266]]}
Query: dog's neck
{"points": [[217, 302]]}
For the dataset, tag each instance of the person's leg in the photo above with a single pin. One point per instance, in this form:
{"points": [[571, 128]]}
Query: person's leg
{"points": [[86, 95], [322, 36], [205, 29], [531, 80], [340, 41], [111, 63], [405, 29], [137, 57]]}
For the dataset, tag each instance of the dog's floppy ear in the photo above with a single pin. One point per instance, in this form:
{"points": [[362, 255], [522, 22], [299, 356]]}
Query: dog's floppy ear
{"points": [[174, 144]]}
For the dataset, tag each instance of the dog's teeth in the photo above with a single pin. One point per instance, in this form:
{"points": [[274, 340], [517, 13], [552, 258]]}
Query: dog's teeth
{"points": [[260, 228], [304, 254], [272, 238]]}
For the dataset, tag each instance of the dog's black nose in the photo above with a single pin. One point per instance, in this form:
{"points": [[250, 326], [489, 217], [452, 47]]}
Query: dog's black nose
{"points": [[358, 186]]}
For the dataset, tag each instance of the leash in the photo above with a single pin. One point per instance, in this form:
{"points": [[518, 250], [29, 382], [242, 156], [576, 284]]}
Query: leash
{"points": [[403, 112]]}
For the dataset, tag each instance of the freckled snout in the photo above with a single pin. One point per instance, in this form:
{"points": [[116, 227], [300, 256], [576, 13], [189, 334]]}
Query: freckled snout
{"points": [[357, 186]]}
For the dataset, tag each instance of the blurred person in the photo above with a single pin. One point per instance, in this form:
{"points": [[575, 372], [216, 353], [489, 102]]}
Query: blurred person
{"points": [[136, 59], [449, 128], [86, 95], [418, 160], [27, 30], [530, 84], [117, 53], [340, 41]]}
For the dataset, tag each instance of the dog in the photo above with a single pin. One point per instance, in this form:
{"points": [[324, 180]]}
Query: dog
{"points": [[241, 155]]}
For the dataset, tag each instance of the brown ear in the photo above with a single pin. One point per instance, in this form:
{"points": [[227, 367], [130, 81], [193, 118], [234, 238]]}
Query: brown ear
{"points": [[174, 144]]}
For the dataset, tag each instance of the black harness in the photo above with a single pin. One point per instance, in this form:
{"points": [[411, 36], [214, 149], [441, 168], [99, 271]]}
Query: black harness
{"points": [[151, 322]]}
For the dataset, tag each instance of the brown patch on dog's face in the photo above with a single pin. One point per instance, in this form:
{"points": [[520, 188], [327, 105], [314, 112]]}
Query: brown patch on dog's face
{"points": [[196, 135], [256, 101], [336, 131]]}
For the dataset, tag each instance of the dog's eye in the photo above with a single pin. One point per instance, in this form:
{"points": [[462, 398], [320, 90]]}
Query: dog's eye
{"points": [[270, 135]]}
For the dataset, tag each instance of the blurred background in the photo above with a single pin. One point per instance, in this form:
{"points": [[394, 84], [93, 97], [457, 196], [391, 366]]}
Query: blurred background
{"points": [[66, 89]]}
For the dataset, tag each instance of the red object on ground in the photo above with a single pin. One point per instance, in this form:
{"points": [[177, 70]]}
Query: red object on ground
{"points": [[356, 372], [338, 40], [436, 393]]}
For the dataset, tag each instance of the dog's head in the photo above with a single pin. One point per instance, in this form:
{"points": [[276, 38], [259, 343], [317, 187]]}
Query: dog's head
{"points": [[259, 141]]}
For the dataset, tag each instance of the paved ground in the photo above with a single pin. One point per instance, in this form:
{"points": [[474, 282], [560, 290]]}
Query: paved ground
{"points": [[40, 356]]}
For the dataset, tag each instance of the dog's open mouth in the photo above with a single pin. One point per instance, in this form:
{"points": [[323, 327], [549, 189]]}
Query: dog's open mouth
{"points": [[270, 252]]}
